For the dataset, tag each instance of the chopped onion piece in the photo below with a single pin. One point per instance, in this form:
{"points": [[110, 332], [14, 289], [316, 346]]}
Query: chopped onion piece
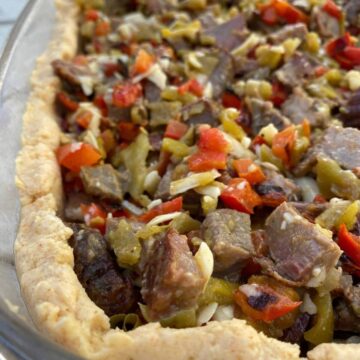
{"points": [[164, 218], [309, 188], [205, 259], [209, 190], [237, 148], [157, 76], [206, 313], [151, 181], [224, 312], [132, 208], [308, 306], [193, 181], [154, 203]]}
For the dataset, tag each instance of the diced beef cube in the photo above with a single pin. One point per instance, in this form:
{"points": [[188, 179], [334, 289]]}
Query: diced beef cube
{"points": [[263, 113], [151, 92], [222, 75], [296, 70], [337, 143], [72, 75], [163, 189], [328, 26], [295, 333], [310, 211], [345, 319], [207, 20], [300, 250], [162, 112], [352, 10], [277, 183], [103, 181], [351, 293], [289, 32], [300, 106], [171, 280], [245, 67], [351, 112], [229, 34], [227, 232], [200, 112], [98, 273]]}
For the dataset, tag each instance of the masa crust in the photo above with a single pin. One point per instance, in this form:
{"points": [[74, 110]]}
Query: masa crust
{"points": [[57, 302]]}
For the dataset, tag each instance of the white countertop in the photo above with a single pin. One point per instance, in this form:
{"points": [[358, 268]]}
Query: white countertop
{"points": [[9, 11]]}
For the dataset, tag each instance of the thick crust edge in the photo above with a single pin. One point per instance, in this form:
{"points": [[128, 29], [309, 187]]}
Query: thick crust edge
{"points": [[56, 300]]}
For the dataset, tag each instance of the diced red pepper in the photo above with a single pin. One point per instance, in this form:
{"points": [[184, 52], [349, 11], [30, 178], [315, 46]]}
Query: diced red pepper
{"points": [[207, 160], [94, 216], [100, 103], [319, 199], [74, 156], [110, 69], [279, 94], [240, 196], [306, 127], [65, 100], [80, 60], [164, 160], [92, 15], [125, 95], [192, 86], [258, 140], [344, 52], [102, 28], [350, 244], [162, 209], [247, 170], [230, 100], [84, 118], [332, 9], [277, 305], [321, 70], [283, 143], [128, 131], [213, 140], [280, 10], [175, 130], [143, 62]]}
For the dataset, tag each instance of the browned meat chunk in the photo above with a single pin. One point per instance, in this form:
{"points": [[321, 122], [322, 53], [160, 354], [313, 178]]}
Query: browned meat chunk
{"points": [[345, 319], [295, 333], [70, 73], [228, 35], [200, 112], [103, 181], [163, 189], [300, 250], [227, 232], [277, 183], [171, 280], [289, 32], [296, 70], [263, 113], [351, 113], [352, 10], [337, 143], [310, 211], [151, 92], [300, 106], [328, 26], [98, 273], [222, 75]]}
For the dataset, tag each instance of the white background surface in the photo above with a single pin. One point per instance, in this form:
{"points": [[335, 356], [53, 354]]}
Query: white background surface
{"points": [[9, 11]]}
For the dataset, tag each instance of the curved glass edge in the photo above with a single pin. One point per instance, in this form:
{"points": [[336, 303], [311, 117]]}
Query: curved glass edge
{"points": [[19, 340]]}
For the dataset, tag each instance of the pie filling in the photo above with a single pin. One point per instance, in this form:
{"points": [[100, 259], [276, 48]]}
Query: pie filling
{"points": [[210, 160]]}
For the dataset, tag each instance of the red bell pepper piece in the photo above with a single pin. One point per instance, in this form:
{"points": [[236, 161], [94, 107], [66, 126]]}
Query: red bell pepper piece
{"points": [[84, 118], [247, 170], [175, 130], [102, 28], [143, 62], [280, 10], [92, 15], [192, 86], [94, 216], [74, 156], [162, 209], [283, 143], [65, 100], [230, 100], [207, 160], [100, 103], [349, 243], [279, 95], [240, 196], [276, 306], [125, 95], [332, 9], [128, 131], [213, 140]]}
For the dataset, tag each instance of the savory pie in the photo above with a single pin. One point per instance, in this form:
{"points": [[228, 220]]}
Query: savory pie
{"points": [[189, 180]]}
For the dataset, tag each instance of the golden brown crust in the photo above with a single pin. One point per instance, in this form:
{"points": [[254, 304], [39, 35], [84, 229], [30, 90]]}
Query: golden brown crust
{"points": [[56, 300]]}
